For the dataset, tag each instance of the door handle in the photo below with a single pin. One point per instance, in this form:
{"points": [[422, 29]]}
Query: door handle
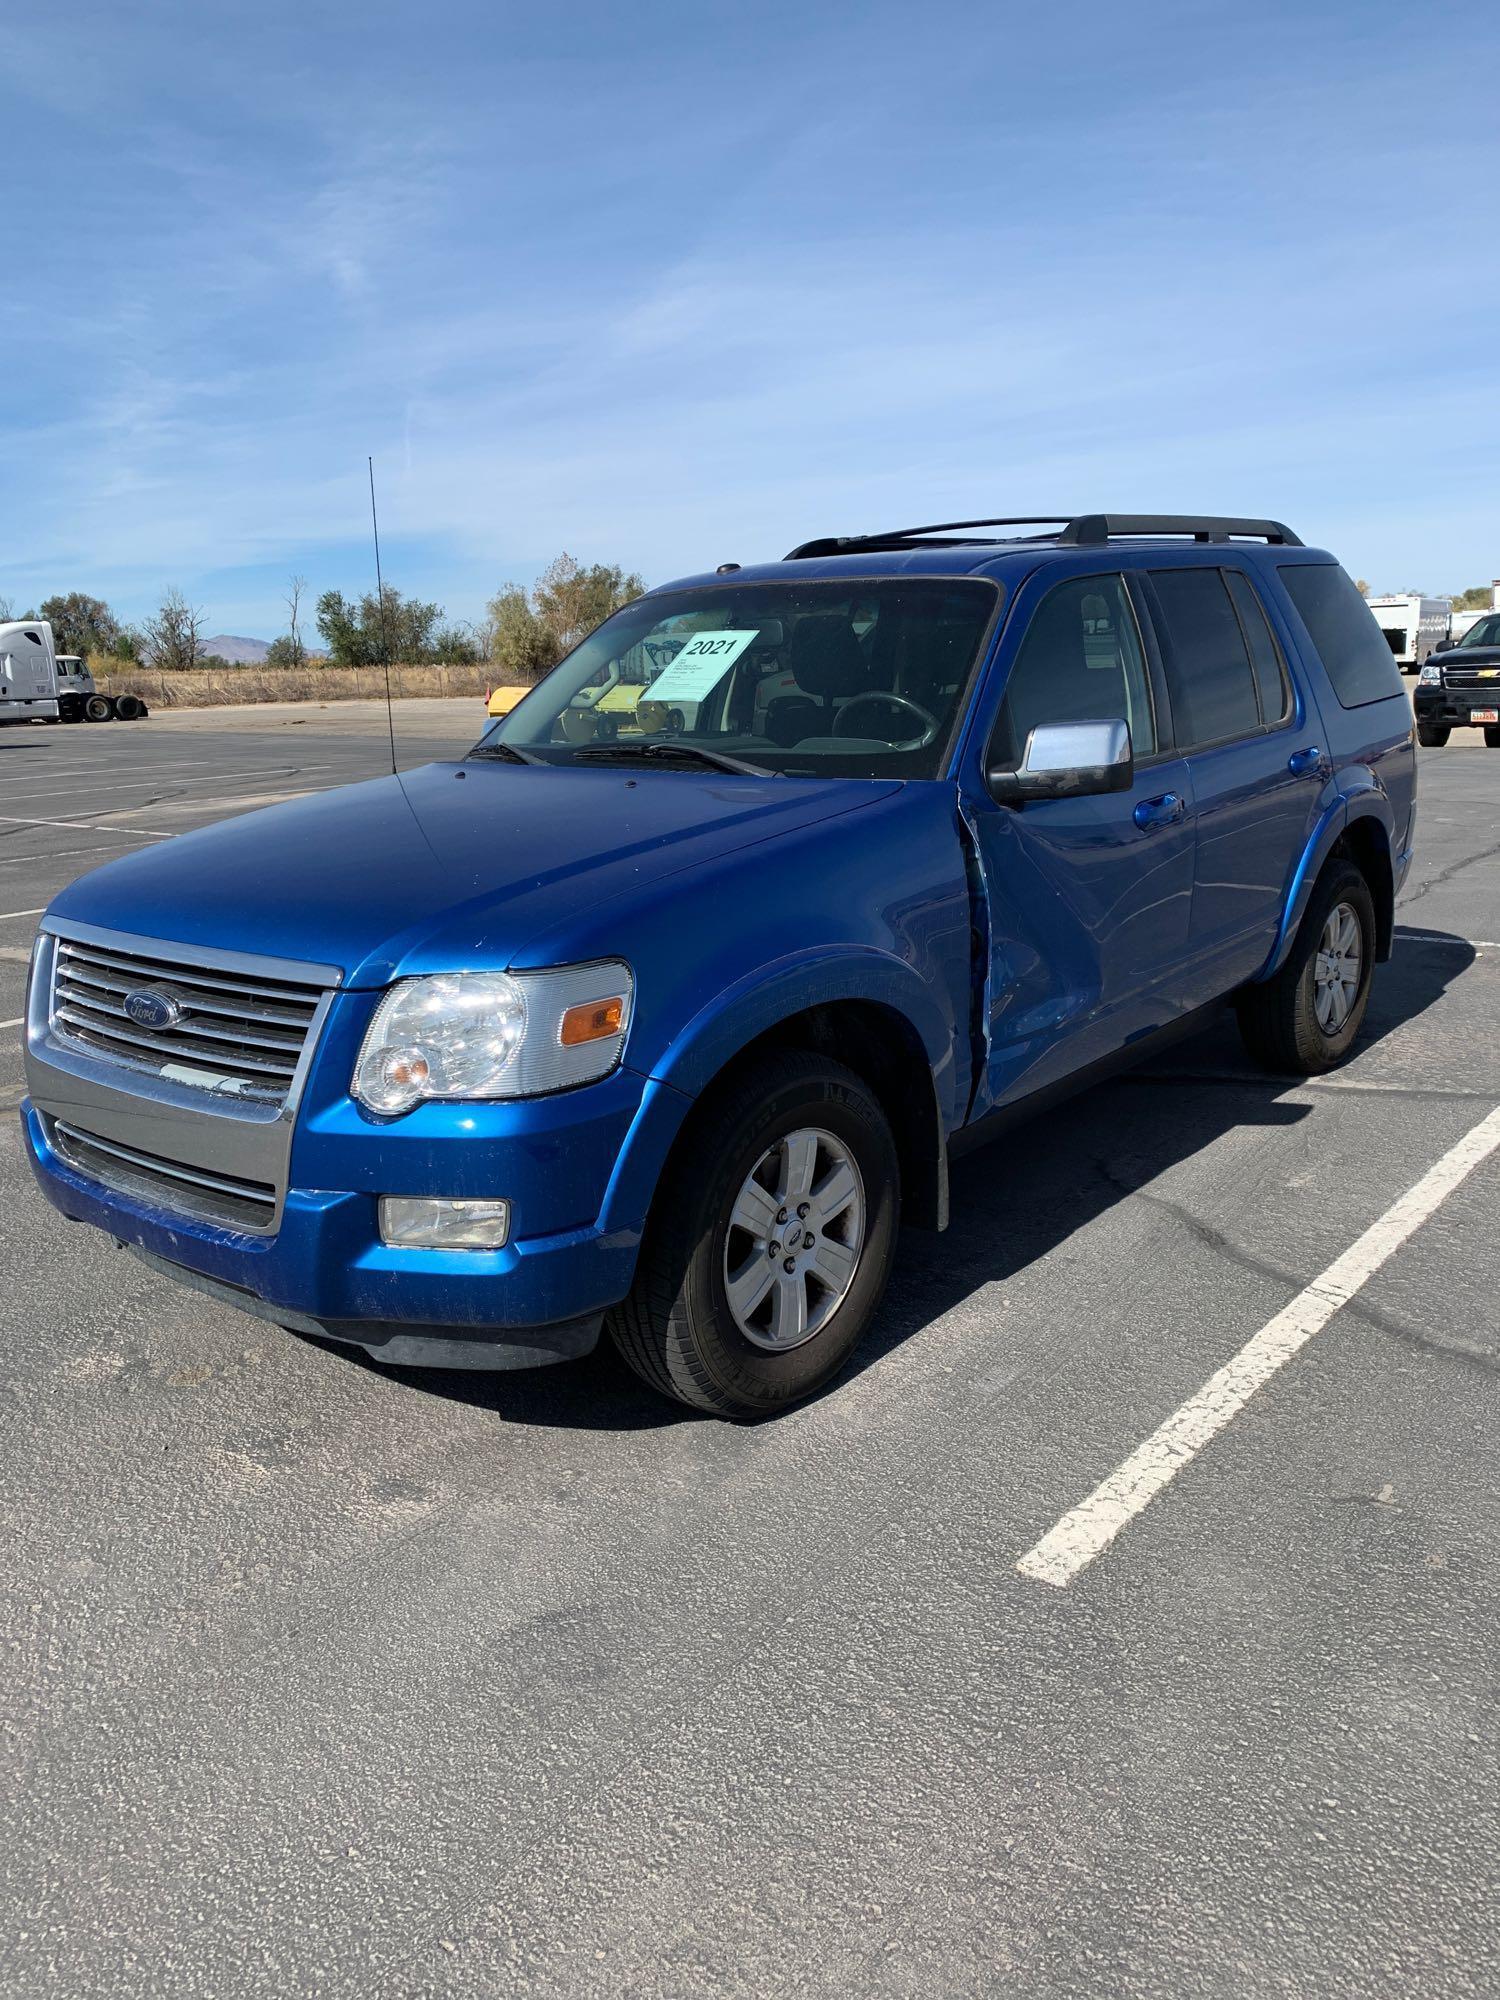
{"points": [[1301, 761], [1168, 810]]}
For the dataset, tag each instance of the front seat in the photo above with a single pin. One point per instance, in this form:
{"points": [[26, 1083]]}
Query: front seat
{"points": [[827, 664]]}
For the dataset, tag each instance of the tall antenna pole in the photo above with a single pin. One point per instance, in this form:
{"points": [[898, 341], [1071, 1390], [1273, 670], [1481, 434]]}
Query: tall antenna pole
{"points": [[385, 636]]}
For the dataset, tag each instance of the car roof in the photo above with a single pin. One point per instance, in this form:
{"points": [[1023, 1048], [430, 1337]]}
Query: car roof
{"points": [[954, 549]]}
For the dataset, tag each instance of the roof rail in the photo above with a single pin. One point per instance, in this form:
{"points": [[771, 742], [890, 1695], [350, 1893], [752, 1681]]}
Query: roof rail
{"points": [[1201, 527], [1077, 531], [895, 538]]}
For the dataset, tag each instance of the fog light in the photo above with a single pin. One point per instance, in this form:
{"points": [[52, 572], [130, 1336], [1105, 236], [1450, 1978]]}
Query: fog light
{"points": [[409, 1224]]}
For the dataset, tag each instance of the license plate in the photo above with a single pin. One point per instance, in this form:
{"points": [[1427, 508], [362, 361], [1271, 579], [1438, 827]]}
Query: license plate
{"points": [[1484, 715]]}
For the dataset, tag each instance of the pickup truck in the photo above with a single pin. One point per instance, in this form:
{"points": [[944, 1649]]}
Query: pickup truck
{"points": [[662, 1014]]}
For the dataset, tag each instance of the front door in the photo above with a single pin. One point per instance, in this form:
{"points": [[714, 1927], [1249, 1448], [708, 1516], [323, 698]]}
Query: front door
{"points": [[1088, 899]]}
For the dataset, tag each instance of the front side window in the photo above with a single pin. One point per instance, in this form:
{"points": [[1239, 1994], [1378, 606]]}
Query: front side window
{"points": [[860, 679], [1356, 658], [1208, 665], [1079, 661]]}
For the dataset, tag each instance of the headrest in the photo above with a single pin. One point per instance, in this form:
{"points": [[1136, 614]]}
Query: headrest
{"points": [[825, 658]]}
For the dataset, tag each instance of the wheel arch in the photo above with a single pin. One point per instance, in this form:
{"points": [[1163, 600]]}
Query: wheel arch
{"points": [[1353, 829], [888, 1044]]}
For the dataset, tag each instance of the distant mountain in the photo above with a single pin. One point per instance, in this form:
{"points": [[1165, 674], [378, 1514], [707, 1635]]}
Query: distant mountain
{"points": [[238, 652]]}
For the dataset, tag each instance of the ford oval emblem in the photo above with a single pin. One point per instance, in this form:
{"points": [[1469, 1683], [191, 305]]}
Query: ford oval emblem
{"points": [[155, 1011]]}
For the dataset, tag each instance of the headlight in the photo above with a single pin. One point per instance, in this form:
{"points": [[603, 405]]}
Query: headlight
{"points": [[1430, 676], [493, 1034]]}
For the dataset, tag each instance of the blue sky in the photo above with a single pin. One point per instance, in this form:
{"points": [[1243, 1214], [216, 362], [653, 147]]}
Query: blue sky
{"points": [[672, 284]]}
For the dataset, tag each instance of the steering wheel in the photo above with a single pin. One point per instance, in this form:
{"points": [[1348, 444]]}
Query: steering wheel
{"points": [[928, 721]]}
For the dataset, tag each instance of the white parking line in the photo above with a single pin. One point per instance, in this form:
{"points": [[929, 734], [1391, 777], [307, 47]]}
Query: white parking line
{"points": [[1446, 937], [1090, 1527], [6, 915], [13, 1024], [48, 786], [83, 826]]}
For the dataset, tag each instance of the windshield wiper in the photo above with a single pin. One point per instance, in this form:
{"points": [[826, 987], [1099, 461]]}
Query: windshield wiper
{"points": [[613, 753], [506, 752]]}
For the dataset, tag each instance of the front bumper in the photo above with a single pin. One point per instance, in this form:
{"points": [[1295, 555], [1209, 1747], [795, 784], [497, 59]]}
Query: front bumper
{"points": [[1453, 708], [325, 1269]]}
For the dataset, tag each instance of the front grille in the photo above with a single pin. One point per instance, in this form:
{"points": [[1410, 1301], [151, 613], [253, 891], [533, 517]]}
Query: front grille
{"points": [[222, 1198], [1484, 679], [236, 1034]]}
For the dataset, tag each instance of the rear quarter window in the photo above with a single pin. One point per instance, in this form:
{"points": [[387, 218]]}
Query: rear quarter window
{"points": [[1341, 626]]}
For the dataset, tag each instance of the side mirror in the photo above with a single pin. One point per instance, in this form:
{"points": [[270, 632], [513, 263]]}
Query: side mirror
{"points": [[1068, 760]]}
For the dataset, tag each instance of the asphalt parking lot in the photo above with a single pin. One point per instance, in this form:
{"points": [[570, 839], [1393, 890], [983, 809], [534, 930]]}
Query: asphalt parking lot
{"points": [[323, 1680]]}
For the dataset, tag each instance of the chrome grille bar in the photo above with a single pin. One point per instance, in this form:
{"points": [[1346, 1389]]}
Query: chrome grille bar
{"points": [[237, 1034]]}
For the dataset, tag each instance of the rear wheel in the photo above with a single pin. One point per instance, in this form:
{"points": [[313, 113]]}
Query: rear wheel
{"points": [[129, 707], [1432, 735], [1305, 1020], [769, 1244], [99, 708]]}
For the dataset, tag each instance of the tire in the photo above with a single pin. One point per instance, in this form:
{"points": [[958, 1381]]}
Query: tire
{"points": [[99, 708], [1279, 1019], [1491, 736], [1433, 735], [679, 1330], [129, 707]]}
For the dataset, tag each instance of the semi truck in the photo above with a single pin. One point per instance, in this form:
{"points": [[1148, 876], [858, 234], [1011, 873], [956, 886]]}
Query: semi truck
{"points": [[1412, 625], [39, 684]]}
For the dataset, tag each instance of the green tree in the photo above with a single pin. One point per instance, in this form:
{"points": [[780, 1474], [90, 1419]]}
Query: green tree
{"points": [[1476, 598], [520, 645], [81, 624], [570, 600], [286, 652], [365, 632]]}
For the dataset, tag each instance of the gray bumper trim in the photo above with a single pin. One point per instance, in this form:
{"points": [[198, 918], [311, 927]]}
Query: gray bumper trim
{"points": [[401, 1343]]}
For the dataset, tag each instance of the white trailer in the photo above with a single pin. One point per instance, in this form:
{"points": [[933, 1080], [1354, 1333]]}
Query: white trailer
{"points": [[1411, 625], [39, 684]]}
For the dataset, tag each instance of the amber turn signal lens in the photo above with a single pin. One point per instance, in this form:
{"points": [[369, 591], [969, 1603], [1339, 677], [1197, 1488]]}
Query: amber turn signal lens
{"points": [[591, 1021]]}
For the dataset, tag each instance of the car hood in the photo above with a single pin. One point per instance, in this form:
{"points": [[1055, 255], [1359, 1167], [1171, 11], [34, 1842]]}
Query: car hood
{"points": [[450, 865], [1469, 656]]}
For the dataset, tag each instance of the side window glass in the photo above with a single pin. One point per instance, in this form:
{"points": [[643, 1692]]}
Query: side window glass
{"points": [[1348, 640], [1079, 661], [1265, 656], [1208, 668]]}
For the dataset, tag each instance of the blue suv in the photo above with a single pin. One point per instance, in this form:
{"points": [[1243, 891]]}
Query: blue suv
{"points": [[669, 1002]]}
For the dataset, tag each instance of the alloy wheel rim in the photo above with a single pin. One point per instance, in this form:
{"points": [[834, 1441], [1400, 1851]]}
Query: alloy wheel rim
{"points": [[795, 1235], [1337, 968]]}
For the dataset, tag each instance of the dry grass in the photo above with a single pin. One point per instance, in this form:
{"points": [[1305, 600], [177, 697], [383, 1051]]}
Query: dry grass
{"points": [[217, 689]]}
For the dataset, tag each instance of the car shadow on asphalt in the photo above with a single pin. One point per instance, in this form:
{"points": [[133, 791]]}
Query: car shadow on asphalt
{"points": [[1012, 1204]]}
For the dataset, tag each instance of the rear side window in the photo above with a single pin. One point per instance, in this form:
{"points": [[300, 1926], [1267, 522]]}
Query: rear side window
{"points": [[1265, 655], [1339, 623], [1080, 661], [1208, 666]]}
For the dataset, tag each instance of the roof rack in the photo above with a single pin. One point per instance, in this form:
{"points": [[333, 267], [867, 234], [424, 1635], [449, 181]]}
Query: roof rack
{"points": [[1077, 531]]}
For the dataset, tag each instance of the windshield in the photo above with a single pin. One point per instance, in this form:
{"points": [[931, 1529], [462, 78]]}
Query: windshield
{"points": [[859, 679], [1485, 633]]}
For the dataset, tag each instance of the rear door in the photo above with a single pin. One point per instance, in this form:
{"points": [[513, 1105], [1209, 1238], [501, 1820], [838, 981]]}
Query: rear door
{"points": [[1256, 757], [1088, 898]]}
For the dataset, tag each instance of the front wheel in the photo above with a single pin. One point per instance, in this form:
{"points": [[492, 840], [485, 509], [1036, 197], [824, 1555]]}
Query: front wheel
{"points": [[1305, 1020], [769, 1243], [1491, 736], [1432, 735]]}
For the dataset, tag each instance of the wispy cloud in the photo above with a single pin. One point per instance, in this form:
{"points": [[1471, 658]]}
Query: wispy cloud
{"points": [[664, 298]]}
